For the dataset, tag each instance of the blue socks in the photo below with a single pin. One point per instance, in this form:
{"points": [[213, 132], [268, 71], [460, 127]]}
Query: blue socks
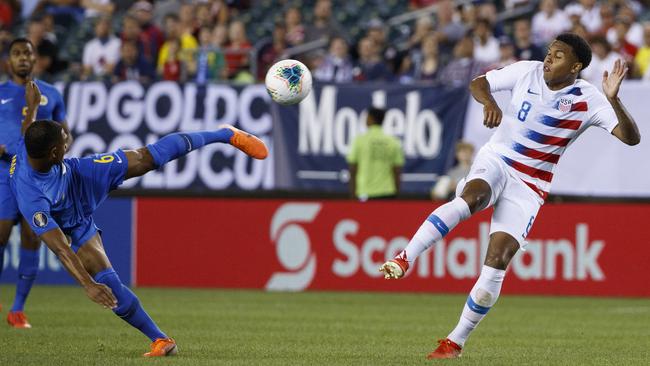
{"points": [[175, 145], [2, 258], [128, 305], [27, 270]]}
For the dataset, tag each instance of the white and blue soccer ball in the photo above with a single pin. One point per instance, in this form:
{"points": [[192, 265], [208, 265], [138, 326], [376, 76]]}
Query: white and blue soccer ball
{"points": [[288, 82]]}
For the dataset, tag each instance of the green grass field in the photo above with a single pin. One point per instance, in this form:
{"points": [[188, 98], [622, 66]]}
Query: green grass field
{"points": [[218, 327]]}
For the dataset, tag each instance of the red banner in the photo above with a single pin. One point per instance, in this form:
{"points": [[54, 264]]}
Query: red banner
{"points": [[574, 249]]}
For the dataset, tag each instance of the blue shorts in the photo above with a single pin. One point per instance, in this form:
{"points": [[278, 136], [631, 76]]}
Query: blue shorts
{"points": [[95, 176], [8, 204]]}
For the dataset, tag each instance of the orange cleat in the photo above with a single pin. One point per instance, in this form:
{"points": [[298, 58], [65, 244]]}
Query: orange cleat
{"points": [[249, 144], [17, 319], [162, 347], [446, 349], [394, 268]]}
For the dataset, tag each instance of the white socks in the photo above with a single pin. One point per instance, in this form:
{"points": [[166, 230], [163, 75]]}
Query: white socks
{"points": [[483, 295], [436, 226]]}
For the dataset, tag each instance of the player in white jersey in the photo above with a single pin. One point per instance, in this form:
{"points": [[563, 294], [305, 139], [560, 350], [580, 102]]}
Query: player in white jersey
{"points": [[549, 108]]}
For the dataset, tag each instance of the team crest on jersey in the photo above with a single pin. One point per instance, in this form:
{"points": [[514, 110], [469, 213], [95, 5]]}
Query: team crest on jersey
{"points": [[43, 100], [564, 105], [39, 219]]}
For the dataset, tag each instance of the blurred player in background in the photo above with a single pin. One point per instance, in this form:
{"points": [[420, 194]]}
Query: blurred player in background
{"points": [[12, 112], [59, 196], [375, 161], [549, 109]]}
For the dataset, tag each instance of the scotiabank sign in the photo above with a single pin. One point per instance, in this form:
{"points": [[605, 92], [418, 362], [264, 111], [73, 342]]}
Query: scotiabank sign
{"points": [[573, 249]]}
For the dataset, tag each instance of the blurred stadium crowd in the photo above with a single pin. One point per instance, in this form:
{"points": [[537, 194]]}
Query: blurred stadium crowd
{"points": [[341, 41]]}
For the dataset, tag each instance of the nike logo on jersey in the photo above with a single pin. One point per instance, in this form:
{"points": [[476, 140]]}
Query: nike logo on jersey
{"points": [[532, 92], [5, 101], [119, 159]]}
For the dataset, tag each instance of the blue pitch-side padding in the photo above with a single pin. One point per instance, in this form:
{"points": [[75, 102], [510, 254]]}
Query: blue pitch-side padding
{"points": [[114, 217], [476, 307], [437, 222]]}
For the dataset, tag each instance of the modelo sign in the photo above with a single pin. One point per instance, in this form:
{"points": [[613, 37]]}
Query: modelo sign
{"points": [[573, 249]]}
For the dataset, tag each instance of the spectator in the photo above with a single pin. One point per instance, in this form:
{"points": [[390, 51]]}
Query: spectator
{"points": [[150, 37], [486, 46], [423, 26], [294, 28], [187, 18], [588, 12], [525, 49], [131, 66], [448, 30], [204, 16], [95, 8], [642, 58], [468, 16], [377, 32], [548, 22], [634, 34], [184, 41], [375, 161], [50, 32], [172, 67], [445, 187], [219, 11], [131, 31], [602, 59], [488, 10], [237, 49], [425, 63], [506, 53], [463, 68], [66, 13], [273, 50], [102, 52], [47, 60], [323, 25], [219, 37], [607, 17], [336, 67], [621, 44], [164, 8], [370, 66], [207, 63]]}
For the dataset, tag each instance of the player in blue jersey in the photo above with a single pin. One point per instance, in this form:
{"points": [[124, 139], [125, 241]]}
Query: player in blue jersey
{"points": [[58, 196], [12, 112]]}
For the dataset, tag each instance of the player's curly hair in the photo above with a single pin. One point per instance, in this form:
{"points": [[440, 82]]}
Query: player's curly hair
{"points": [[19, 40], [40, 137], [580, 47]]}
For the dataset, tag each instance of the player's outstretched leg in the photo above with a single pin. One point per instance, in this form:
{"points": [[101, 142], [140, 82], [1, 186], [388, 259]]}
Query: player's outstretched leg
{"points": [[483, 295], [475, 197], [27, 270], [175, 145], [128, 307]]}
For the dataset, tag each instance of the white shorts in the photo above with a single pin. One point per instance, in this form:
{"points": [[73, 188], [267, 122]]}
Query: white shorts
{"points": [[515, 204]]}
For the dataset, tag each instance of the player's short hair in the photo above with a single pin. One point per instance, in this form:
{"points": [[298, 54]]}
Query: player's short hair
{"points": [[40, 137], [580, 47], [377, 114], [19, 40]]}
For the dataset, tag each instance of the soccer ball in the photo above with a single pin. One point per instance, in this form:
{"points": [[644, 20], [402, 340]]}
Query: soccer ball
{"points": [[288, 82]]}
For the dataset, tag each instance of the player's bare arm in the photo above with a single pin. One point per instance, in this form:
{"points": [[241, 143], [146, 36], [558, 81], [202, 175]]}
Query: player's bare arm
{"points": [[626, 130], [480, 89], [33, 99], [99, 293]]}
